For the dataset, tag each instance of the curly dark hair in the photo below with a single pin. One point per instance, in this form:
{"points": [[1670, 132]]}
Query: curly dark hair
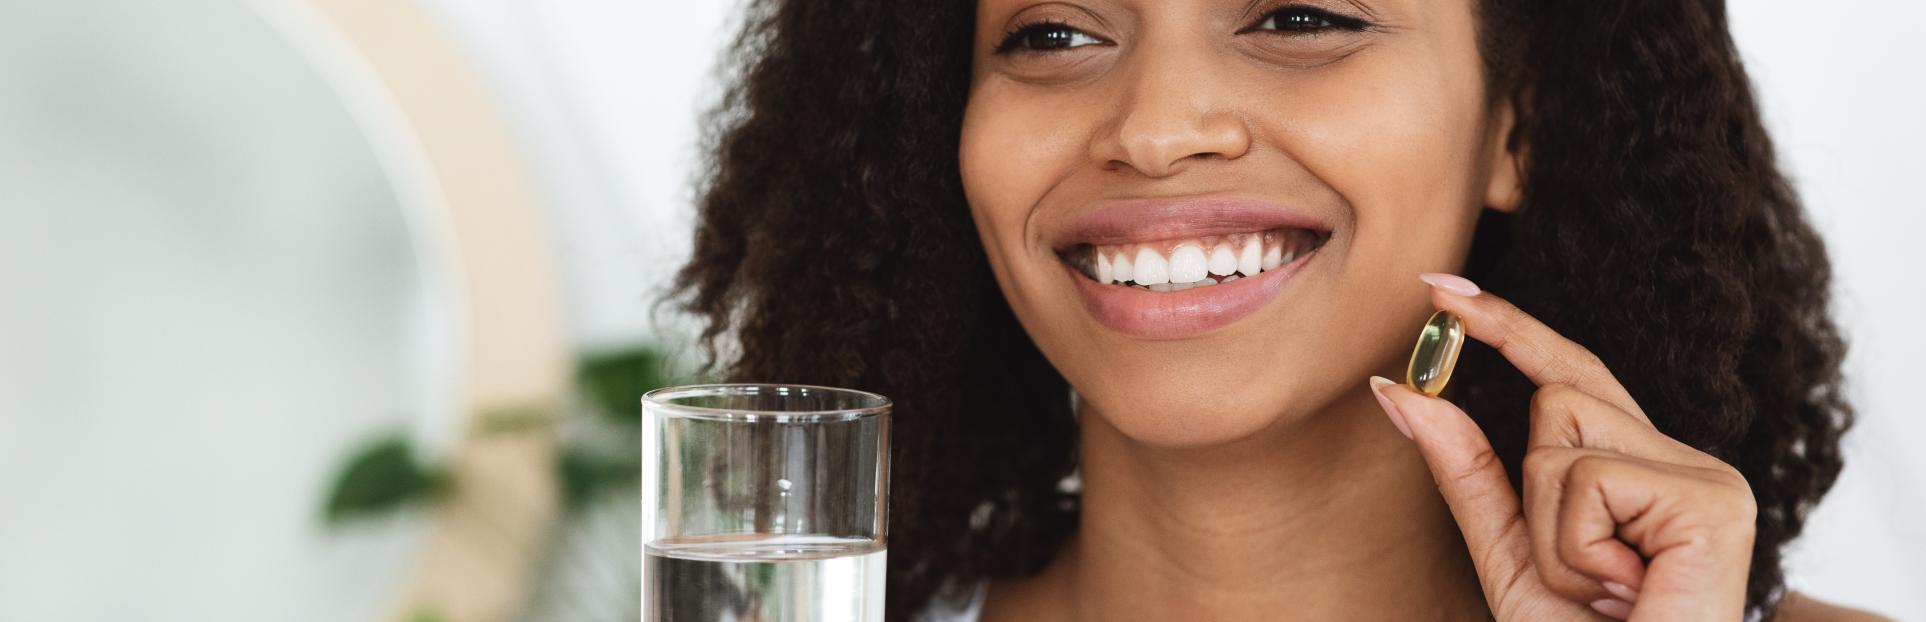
{"points": [[835, 246]]}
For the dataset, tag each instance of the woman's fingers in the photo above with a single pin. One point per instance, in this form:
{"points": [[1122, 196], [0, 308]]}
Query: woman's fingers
{"points": [[1565, 416], [1571, 560], [1614, 532], [1534, 348], [1669, 540], [1620, 534], [1472, 481], [1615, 514], [1694, 525]]}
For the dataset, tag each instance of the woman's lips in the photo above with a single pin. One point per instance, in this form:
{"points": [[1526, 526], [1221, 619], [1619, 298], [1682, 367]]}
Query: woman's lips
{"points": [[1181, 314]]}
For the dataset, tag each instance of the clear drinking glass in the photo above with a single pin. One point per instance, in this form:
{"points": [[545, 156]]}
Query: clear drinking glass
{"points": [[764, 503]]}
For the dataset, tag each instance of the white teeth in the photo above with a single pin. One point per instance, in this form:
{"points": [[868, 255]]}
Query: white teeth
{"points": [[1120, 268], [1250, 259], [1187, 264], [1150, 268], [1222, 261], [1177, 265]]}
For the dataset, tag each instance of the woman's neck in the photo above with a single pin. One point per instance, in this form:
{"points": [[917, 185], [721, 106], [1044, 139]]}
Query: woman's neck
{"points": [[1330, 517]]}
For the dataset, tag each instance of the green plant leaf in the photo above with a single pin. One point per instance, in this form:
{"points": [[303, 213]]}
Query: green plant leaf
{"points": [[616, 380], [379, 478], [584, 475]]}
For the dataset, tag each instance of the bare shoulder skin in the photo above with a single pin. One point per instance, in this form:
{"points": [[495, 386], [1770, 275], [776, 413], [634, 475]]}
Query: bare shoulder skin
{"points": [[1802, 608]]}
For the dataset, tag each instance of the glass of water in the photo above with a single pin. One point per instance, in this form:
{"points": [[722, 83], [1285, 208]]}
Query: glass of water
{"points": [[764, 503]]}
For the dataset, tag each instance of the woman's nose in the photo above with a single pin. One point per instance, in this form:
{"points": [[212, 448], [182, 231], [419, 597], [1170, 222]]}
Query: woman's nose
{"points": [[1176, 109]]}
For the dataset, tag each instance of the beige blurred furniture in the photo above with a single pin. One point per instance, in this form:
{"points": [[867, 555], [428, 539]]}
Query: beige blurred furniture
{"points": [[488, 537]]}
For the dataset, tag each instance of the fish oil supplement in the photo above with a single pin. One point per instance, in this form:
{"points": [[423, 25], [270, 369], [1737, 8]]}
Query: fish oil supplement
{"points": [[1436, 353]]}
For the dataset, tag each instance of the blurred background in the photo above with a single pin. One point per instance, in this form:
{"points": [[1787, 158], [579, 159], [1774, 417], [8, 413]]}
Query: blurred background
{"points": [[337, 309]]}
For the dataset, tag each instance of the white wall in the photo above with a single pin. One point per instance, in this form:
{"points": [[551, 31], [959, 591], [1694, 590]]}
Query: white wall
{"points": [[1841, 87], [607, 92]]}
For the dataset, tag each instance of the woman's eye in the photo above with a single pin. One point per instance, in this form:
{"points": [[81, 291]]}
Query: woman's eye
{"points": [[1306, 20], [1045, 37]]}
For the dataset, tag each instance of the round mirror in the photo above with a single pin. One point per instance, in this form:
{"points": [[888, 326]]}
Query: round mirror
{"points": [[212, 287]]}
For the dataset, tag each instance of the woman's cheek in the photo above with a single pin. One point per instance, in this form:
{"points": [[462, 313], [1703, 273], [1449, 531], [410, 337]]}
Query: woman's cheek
{"points": [[1013, 151], [1400, 147]]}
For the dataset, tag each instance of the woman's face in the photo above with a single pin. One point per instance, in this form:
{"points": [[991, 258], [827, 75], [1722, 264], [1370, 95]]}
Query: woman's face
{"points": [[1259, 183]]}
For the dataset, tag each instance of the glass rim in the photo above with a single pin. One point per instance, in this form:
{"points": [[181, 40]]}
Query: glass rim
{"points": [[659, 398]]}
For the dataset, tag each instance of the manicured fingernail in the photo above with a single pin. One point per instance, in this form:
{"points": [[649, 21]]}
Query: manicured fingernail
{"points": [[1613, 608], [1450, 283], [1378, 383], [1622, 591]]}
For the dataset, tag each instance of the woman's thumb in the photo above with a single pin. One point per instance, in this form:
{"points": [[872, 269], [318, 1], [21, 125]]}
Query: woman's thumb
{"points": [[1469, 475]]}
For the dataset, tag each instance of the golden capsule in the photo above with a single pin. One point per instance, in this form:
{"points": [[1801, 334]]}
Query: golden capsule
{"points": [[1436, 353]]}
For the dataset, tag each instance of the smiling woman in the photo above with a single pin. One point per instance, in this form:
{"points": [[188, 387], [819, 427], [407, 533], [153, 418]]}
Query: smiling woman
{"points": [[1125, 267]]}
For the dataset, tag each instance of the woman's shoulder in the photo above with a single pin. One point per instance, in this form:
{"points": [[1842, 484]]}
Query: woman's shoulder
{"points": [[1798, 607], [1795, 607]]}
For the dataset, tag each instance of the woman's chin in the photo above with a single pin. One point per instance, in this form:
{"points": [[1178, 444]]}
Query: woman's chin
{"points": [[1191, 415]]}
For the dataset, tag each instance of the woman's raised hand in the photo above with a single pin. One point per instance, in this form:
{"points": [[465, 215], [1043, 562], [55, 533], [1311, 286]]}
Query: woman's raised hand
{"points": [[1617, 518]]}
